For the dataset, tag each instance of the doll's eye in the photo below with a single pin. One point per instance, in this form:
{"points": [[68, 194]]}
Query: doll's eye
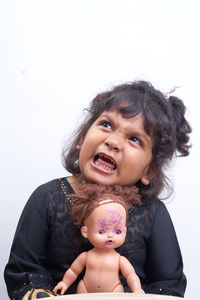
{"points": [[118, 231], [101, 231]]}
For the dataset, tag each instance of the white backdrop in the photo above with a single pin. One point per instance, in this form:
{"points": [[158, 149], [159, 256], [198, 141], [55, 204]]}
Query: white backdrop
{"points": [[55, 56]]}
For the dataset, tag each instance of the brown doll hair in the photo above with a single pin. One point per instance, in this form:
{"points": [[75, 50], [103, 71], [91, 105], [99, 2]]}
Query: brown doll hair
{"points": [[92, 195]]}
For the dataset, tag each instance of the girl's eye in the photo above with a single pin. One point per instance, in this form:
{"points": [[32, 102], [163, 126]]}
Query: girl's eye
{"points": [[101, 231], [118, 231], [106, 124], [136, 140]]}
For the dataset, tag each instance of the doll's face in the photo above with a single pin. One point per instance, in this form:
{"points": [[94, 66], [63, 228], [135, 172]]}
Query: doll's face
{"points": [[106, 226]]}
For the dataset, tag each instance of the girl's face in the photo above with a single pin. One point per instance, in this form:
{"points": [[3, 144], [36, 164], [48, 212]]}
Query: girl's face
{"points": [[106, 226], [116, 150]]}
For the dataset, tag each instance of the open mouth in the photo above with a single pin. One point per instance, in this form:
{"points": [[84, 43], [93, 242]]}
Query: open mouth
{"points": [[109, 243], [105, 162]]}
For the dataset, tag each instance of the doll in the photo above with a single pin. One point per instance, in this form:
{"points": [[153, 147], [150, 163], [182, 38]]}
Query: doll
{"points": [[101, 212]]}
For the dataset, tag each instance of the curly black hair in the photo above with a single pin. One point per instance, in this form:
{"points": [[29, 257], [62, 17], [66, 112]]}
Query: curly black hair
{"points": [[164, 121]]}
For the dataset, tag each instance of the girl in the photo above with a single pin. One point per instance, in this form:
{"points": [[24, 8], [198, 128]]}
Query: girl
{"points": [[128, 138]]}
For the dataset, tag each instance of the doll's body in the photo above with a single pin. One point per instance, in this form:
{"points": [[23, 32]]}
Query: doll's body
{"points": [[102, 272], [105, 228]]}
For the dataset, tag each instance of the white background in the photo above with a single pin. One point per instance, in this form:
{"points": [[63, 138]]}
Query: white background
{"points": [[55, 56]]}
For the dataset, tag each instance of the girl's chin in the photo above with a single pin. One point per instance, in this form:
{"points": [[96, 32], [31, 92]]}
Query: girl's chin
{"points": [[104, 180]]}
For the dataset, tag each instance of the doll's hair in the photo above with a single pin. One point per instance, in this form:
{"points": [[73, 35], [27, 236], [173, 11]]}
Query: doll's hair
{"points": [[89, 196], [164, 121]]}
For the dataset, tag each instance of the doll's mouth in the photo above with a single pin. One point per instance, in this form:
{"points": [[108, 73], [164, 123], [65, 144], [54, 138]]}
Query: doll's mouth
{"points": [[109, 243], [105, 162]]}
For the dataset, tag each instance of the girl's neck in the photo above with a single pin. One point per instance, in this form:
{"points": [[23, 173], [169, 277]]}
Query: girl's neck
{"points": [[74, 181]]}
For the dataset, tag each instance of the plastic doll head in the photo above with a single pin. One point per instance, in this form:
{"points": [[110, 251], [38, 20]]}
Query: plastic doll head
{"points": [[91, 196], [164, 121], [105, 227]]}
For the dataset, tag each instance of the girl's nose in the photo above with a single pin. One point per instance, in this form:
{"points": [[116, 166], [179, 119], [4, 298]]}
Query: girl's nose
{"points": [[114, 142]]}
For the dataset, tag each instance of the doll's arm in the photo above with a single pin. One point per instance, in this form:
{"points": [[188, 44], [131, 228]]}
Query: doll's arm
{"points": [[72, 273], [129, 274]]}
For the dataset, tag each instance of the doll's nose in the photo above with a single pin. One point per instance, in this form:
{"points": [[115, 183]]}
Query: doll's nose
{"points": [[110, 234]]}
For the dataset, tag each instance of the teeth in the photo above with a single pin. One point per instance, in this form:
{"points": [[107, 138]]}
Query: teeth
{"points": [[110, 158], [105, 167]]}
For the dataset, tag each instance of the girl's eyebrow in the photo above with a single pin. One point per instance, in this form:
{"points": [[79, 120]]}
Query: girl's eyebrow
{"points": [[142, 135], [105, 116]]}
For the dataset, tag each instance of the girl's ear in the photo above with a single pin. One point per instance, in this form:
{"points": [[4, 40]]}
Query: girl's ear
{"points": [[145, 180], [147, 177], [78, 147], [84, 231]]}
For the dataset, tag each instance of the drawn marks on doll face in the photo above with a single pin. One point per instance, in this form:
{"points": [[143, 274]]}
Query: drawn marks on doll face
{"points": [[111, 226]]}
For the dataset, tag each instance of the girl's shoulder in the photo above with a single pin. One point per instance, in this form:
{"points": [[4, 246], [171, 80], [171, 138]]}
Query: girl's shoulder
{"points": [[156, 212], [58, 185], [146, 214], [54, 185], [152, 205], [145, 218], [50, 194]]}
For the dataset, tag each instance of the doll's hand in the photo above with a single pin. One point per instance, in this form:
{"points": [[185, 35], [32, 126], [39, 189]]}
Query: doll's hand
{"points": [[62, 286], [139, 291]]}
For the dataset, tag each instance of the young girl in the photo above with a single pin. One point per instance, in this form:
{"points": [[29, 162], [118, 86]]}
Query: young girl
{"points": [[102, 211], [129, 136]]}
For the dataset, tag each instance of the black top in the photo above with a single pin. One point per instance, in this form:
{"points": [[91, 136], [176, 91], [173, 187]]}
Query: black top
{"points": [[46, 242]]}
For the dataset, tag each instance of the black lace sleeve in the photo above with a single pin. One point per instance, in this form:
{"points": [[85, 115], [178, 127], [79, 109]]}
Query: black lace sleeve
{"points": [[25, 269], [164, 266]]}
